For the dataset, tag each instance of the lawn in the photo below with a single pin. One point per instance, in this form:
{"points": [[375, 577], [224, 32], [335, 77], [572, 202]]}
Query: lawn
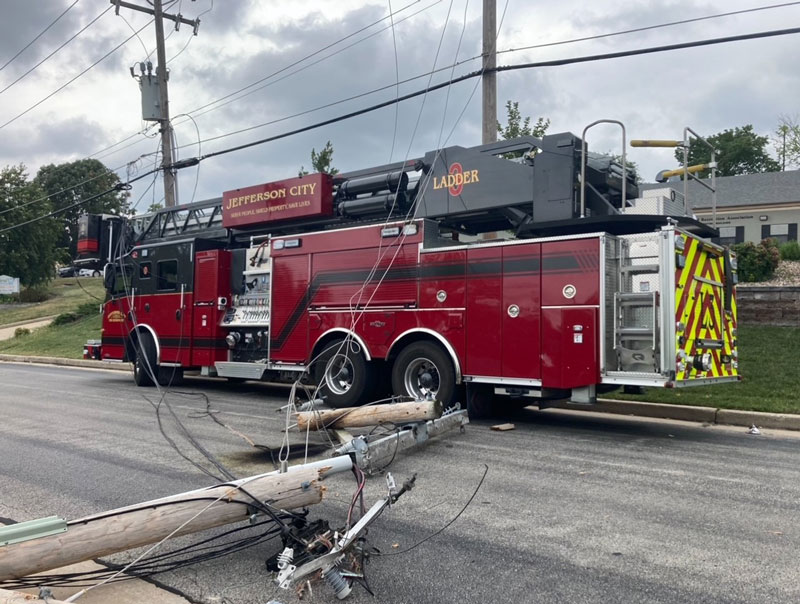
{"points": [[65, 341], [66, 295], [770, 376]]}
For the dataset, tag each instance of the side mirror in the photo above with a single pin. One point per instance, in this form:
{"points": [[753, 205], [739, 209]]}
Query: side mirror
{"points": [[109, 277]]}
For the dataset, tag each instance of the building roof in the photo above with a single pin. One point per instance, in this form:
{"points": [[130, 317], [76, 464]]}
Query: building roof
{"points": [[767, 188]]}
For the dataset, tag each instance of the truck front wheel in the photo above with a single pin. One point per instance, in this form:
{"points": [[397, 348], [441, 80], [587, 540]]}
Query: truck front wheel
{"points": [[144, 367], [423, 370], [345, 377]]}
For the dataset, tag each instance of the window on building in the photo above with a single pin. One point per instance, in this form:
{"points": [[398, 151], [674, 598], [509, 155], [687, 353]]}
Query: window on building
{"points": [[779, 232], [727, 235], [167, 275]]}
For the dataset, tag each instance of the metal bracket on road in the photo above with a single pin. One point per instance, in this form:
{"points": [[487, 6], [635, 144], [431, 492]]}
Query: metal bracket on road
{"points": [[371, 455], [341, 581]]}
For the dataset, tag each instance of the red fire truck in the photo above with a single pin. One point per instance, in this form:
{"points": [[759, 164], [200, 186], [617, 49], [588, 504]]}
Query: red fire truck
{"points": [[379, 280]]}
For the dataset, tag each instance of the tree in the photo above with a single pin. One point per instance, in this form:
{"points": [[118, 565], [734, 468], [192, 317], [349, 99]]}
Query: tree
{"points": [[321, 162], [28, 252], [739, 151], [74, 181], [516, 126], [787, 141]]}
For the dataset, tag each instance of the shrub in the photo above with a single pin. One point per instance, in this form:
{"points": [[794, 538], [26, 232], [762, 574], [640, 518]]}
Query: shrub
{"points": [[790, 250], [33, 294], [65, 318], [21, 331], [88, 309], [773, 251], [756, 262]]}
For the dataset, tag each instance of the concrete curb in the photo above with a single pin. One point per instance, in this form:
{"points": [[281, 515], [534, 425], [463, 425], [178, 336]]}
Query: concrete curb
{"points": [[688, 413], [19, 358], [706, 415], [780, 421]]}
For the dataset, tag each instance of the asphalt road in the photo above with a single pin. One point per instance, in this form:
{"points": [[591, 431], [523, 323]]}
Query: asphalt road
{"points": [[574, 508]]}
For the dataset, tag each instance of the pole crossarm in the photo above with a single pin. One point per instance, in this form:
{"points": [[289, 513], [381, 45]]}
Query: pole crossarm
{"points": [[177, 19]]}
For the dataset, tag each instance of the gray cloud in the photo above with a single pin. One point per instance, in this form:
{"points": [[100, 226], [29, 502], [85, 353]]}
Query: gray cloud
{"points": [[656, 96]]}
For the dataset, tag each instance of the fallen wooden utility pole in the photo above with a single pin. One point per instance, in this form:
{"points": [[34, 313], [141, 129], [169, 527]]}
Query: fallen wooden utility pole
{"points": [[15, 597], [359, 417], [152, 521]]}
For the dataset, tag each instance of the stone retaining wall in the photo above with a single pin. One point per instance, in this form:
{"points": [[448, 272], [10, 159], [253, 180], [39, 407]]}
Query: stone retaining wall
{"points": [[768, 305]]}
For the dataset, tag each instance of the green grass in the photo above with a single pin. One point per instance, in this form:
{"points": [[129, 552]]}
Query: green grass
{"points": [[65, 341], [770, 373], [66, 296]]}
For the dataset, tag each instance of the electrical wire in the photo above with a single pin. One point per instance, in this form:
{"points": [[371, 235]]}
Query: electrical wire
{"points": [[649, 27], [311, 55], [474, 74], [199, 152], [224, 495], [39, 35], [45, 197], [85, 27], [347, 343], [411, 212], [142, 132], [197, 110], [193, 35], [70, 81], [138, 37], [117, 187], [441, 530], [476, 57], [471, 75], [397, 84]]}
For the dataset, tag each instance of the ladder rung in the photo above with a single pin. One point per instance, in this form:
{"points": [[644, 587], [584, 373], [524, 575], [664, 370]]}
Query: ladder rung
{"points": [[635, 295], [640, 268], [635, 331]]}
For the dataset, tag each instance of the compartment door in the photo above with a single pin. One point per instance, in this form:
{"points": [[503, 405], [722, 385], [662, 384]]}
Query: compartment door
{"points": [[570, 356], [521, 311]]}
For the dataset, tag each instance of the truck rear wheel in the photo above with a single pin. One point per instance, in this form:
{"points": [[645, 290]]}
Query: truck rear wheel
{"points": [[423, 370], [344, 376]]}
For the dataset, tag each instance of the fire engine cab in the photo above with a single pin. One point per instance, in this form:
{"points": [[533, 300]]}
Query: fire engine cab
{"points": [[381, 280]]}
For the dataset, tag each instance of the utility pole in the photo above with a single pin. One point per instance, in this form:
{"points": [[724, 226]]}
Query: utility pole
{"points": [[489, 75], [162, 77]]}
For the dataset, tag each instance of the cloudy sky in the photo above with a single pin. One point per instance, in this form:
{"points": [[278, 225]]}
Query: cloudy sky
{"points": [[306, 54]]}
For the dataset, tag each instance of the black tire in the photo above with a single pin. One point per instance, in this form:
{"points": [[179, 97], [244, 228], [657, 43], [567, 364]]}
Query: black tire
{"points": [[423, 370], [345, 377], [95, 273], [144, 367], [480, 401], [170, 376]]}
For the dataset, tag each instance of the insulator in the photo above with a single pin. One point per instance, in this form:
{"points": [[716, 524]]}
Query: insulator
{"points": [[341, 586], [285, 558], [391, 181]]}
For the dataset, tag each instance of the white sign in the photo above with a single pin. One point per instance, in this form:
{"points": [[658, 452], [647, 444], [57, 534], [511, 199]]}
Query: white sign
{"points": [[9, 285]]}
